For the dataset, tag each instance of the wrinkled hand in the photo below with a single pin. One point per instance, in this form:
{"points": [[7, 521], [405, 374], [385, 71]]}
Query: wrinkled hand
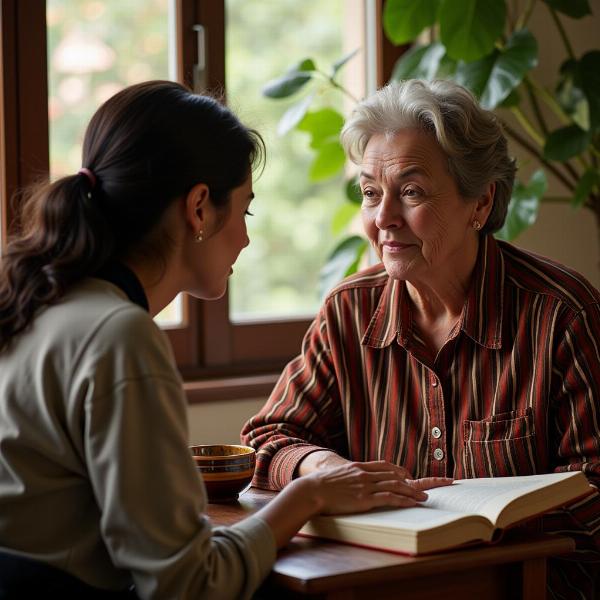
{"points": [[361, 486]]}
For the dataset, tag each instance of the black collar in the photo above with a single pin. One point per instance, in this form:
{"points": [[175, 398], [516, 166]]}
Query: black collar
{"points": [[123, 277]]}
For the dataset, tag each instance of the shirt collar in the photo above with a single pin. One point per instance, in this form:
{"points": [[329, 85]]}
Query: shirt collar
{"points": [[124, 278], [481, 318]]}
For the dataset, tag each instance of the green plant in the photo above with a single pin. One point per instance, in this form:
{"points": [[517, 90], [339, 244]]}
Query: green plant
{"points": [[485, 46]]}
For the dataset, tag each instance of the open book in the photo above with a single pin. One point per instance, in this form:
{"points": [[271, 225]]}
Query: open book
{"points": [[468, 510]]}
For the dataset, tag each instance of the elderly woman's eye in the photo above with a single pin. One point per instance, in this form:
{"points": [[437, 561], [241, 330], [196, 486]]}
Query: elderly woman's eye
{"points": [[411, 192]]}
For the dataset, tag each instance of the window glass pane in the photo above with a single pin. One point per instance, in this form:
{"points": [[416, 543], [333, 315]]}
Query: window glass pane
{"points": [[277, 275], [96, 48]]}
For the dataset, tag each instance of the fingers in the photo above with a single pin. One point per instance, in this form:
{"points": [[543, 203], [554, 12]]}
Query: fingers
{"points": [[384, 467], [400, 488], [389, 499], [428, 483], [359, 486]]}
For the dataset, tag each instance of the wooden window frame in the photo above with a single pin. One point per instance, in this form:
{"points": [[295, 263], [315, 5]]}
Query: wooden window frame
{"points": [[218, 359]]}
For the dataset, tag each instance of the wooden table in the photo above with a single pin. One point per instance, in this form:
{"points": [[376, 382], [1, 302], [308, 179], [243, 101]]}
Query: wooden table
{"points": [[308, 568]]}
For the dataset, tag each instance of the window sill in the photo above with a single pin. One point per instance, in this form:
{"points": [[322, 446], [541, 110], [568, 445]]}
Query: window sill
{"points": [[230, 388]]}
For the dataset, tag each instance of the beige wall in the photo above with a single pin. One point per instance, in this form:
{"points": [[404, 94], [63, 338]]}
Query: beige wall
{"points": [[220, 422], [569, 236]]}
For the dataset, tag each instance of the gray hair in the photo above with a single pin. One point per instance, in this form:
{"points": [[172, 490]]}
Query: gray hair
{"points": [[470, 136]]}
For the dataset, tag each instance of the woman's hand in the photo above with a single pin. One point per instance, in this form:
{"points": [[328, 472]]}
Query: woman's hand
{"points": [[344, 488], [360, 486]]}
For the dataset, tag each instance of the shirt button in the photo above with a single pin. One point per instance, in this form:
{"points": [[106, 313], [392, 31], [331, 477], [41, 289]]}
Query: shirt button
{"points": [[434, 383], [438, 454], [436, 432]]}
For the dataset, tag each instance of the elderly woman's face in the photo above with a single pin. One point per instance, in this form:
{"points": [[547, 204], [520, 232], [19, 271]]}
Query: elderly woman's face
{"points": [[412, 211]]}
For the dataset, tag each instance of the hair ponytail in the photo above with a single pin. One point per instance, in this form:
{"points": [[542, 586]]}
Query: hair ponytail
{"points": [[144, 147], [64, 237]]}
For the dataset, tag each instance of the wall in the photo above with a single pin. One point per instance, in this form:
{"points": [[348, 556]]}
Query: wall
{"points": [[220, 422], [569, 236]]}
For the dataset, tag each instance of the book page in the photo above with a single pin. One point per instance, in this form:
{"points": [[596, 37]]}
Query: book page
{"points": [[408, 530], [488, 496], [418, 518]]}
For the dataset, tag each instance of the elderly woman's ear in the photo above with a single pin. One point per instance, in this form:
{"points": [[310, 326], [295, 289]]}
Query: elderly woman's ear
{"points": [[483, 206]]}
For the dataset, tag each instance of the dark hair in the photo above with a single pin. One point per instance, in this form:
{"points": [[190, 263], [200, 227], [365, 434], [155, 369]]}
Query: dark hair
{"points": [[146, 146]]}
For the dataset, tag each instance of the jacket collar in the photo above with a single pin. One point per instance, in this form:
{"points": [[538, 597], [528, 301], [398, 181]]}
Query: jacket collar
{"points": [[123, 277], [481, 317]]}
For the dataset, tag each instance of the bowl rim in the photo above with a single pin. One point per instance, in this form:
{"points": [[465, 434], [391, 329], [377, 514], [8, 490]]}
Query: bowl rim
{"points": [[247, 452]]}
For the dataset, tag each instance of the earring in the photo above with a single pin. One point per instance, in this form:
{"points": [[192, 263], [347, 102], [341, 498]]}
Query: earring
{"points": [[476, 225], [199, 236]]}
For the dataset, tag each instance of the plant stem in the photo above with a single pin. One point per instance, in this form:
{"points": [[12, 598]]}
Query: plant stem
{"points": [[532, 150], [510, 16], [524, 18], [337, 86], [527, 125], [563, 33], [549, 100], [342, 89], [571, 170], [535, 105]]}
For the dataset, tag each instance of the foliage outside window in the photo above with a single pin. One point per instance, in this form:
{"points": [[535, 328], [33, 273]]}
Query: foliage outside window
{"points": [[277, 275], [485, 46]]}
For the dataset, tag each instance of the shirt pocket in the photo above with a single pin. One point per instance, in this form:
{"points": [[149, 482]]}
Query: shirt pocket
{"points": [[500, 446]]}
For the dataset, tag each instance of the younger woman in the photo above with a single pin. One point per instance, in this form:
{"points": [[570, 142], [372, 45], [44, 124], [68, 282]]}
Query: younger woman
{"points": [[99, 496]]}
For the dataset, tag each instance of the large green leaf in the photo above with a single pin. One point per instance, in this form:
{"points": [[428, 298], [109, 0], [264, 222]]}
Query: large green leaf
{"points": [[566, 142], [495, 76], [403, 20], [512, 63], [328, 162], [589, 69], [322, 125], [585, 186], [578, 90], [343, 216], [294, 115], [524, 206], [420, 62], [446, 68], [513, 99], [469, 28], [570, 94], [353, 193], [293, 79], [342, 262], [475, 75], [572, 8]]}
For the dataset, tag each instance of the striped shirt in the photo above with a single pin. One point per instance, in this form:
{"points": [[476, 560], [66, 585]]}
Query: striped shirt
{"points": [[515, 390]]}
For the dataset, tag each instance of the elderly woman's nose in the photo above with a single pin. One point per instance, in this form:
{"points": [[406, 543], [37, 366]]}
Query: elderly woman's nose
{"points": [[389, 215]]}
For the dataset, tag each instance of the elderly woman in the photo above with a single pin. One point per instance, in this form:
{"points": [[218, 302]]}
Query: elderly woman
{"points": [[458, 355]]}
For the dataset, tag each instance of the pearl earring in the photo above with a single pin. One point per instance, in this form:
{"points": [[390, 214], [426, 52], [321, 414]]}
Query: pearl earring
{"points": [[199, 236], [476, 225]]}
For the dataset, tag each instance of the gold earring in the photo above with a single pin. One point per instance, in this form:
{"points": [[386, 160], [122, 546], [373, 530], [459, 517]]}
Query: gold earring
{"points": [[199, 236], [476, 225]]}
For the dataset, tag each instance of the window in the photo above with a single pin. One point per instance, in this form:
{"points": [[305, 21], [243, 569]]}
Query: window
{"points": [[277, 275], [90, 59], [209, 344]]}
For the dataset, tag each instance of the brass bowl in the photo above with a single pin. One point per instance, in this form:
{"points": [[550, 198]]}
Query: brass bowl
{"points": [[226, 469]]}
